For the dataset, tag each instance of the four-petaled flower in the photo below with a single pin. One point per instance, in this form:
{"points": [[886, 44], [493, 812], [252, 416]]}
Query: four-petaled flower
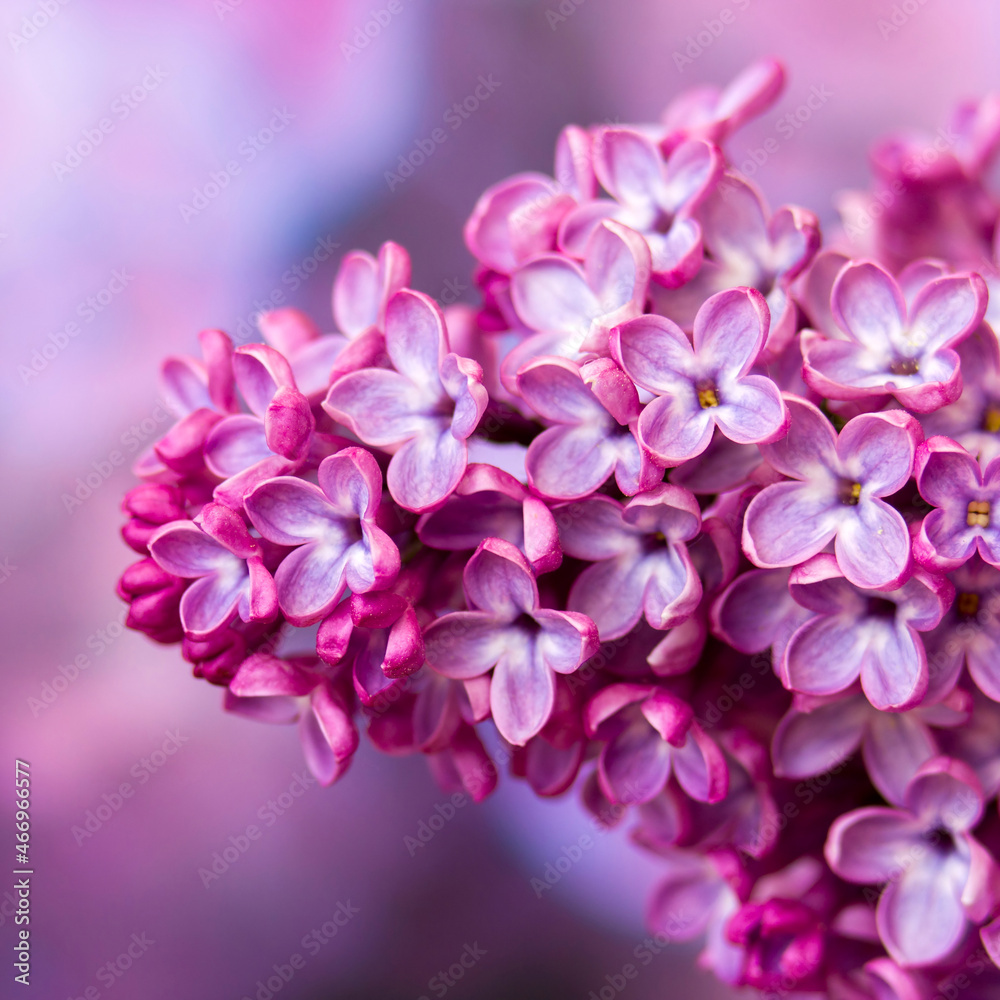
{"points": [[835, 495], [227, 564], [423, 408], [937, 876], [508, 632], [889, 348], [333, 526], [967, 502], [866, 633], [707, 386]]}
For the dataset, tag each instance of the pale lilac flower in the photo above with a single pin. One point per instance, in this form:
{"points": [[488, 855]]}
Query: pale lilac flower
{"points": [[267, 688], [892, 349], [273, 439], [757, 612], [641, 566], [338, 544], [714, 113], [595, 409], [697, 897], [518, 218], [937, 876], [969, 634], [866, 633], [966, 498], [423, 409], [506, 630], [973, 420], [748, 246], [836, 495], [362, 288], [704, 387], [199, 393], [491, 503], [217, 551], [648, 733], [651, 194], [817, 734], [572, 307]]}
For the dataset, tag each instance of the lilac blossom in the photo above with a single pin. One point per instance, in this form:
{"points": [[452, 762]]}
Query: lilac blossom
{"points": [[648, 733], [491, 503], [836, 495], [651, 194], [217, 551], [817, 734], [705, 386], [868, 633], [571, 308], [273, 439], [337, 543], [423, 408], [714, 113], [966, 498], [519, 218], [928, 860], [595, 409], [749, 246], [890, 348], [641, 566], [267, 688], [506, 630]]}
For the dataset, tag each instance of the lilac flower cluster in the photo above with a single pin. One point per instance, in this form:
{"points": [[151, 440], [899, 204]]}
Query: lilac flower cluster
{"points": [[687, 511]]}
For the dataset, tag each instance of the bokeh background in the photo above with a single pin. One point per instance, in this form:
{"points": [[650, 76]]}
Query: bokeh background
{"points": [[175, 92]]}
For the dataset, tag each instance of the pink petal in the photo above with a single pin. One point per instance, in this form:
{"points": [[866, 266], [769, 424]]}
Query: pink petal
{"points": [[868, 846], [730, 329], [788, 523], [946, 310], [260, 371], [352, 482], [674, 428], [751, 410], [427, 468], [310, 581], [289, 511], [873, 546], [868, 304], [701, 768], [382, 407], [810, 445], [522, 695], [823, 657], [498, 580], [813, 742], [464, 644], [894, 669]]}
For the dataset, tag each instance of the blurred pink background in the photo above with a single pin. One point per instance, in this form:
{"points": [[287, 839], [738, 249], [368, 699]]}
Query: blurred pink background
{"points": [[174, 93]]}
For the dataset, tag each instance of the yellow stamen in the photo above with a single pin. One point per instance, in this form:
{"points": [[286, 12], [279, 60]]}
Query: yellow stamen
{"points": [[968, 604], [991, 422], [707, 398], [978, 514]]}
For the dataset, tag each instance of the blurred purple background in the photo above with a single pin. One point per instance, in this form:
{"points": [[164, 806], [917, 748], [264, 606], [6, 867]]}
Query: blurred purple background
{"points": [[175, 93]]}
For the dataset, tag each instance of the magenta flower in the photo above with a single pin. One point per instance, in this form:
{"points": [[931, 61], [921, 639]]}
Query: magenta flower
{"points": [[227, 564], [150, 506], [595, 410], [572, 307], [506, 631], [652, 195], [705, 387], [338, 544], [866, 633], [926, 857], [757, 612], [491, 503], [641, 566], [892, 349], [269, 689], [518, 218], [969, 634], [153, 596], [817, 734], [273, 439], [423, 409], [377, 636], [967, 502], [747, 245], [783, 941], [648, 733], [836, 495], [714, 113], [199, 394]]}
